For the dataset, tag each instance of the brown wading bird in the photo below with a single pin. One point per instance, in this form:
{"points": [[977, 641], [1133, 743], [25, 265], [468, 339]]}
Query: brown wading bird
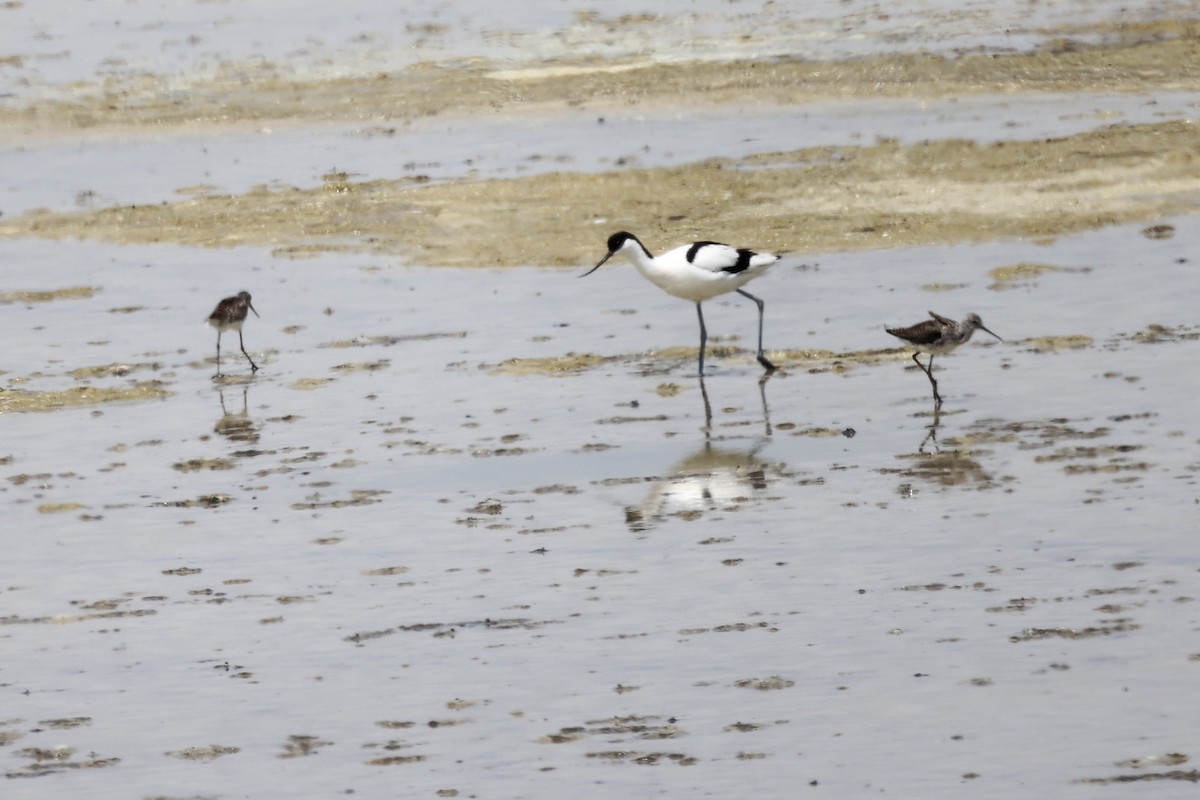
{"points": [[936, 336], [229, 315]]}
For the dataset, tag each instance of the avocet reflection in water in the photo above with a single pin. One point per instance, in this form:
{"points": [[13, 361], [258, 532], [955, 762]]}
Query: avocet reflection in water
{"points": [[712, 478]]}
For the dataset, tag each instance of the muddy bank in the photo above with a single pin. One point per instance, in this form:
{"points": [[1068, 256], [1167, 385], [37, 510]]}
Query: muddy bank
{"points": [[1153, 55], [810, 200], [814, 199]]}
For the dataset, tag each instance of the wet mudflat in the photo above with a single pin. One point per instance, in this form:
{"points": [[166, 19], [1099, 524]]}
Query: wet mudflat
{"points": [[481, 532], [440, 543]]}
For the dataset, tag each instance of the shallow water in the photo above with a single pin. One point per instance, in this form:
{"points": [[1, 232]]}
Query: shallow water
{"points": [[462, 578]]}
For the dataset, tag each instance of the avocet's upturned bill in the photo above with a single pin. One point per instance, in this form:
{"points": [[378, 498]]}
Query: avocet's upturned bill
{"points": [[698, 271], [935, 336]]}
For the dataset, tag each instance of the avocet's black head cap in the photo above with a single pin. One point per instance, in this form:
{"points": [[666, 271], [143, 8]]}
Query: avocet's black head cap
{"points": [[615, 243], [618, 239]]}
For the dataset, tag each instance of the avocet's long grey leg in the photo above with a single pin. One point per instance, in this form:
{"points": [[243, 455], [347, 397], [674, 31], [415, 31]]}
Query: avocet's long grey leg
{"points": [[767, 365], [703, 337]]}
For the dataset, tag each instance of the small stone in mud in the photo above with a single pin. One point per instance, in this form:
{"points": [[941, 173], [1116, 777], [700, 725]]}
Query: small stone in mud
{"points": [[386, 571], [395, 760], [488, 506], [197, 464], [765, 684], [1168, 759], [205, 500], [63, 724], [743, 727], [1159, 231], [206, 753], [302, 746]]}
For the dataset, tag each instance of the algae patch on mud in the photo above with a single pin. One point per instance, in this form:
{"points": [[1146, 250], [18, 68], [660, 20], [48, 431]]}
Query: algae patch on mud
{"points": [[1049, 344], [815, 199], [20, 400], [1009, 277], [810, 360], [59, 508], [308, 384], [570, 364], [118, 370], [69, 293]]}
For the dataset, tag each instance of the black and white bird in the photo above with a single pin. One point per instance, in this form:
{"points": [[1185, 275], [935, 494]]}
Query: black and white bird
{"points": [[698, 271], [936, 336], [229, 315]]}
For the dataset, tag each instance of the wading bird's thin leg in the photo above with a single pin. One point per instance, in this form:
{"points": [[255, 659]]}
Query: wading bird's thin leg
{"points": [[767, 365], [253, 366], [703, 337], [937, 398], [218, 355]]}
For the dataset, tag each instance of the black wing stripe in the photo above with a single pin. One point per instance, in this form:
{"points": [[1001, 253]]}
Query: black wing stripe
{"points": [[696, 248], [743, 262]]}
